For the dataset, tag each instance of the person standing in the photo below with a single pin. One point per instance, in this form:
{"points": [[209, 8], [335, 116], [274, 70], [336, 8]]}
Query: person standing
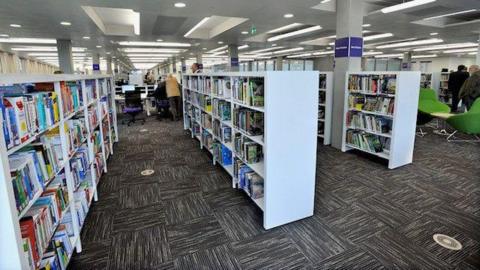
{"points": [[470, 90], [455, 82], [173, 94], [196, 68]]}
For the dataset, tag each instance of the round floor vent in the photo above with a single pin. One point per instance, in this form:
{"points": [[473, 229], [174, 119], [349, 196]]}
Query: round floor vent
{"points": [[147, 172], [447, 241]]}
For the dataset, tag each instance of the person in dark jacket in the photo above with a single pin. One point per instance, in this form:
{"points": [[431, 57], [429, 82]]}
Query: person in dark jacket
{"points": [[161, 100], [470, 90], [455, 82]]}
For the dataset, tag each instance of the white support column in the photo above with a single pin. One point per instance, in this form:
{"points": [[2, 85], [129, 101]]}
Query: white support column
{"points": [[199, 59], [279, 63], [173, 62], [109, 65], [65, 60], [184, 65], [250, 65], [407, 61], [349, 24], [96, 61], [233, 62]]}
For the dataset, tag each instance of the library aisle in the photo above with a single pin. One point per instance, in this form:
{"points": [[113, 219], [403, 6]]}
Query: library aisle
{"points": [[187, 216]]}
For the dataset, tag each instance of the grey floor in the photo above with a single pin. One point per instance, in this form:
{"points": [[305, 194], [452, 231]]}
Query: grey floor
{"points": [[186, 215]]}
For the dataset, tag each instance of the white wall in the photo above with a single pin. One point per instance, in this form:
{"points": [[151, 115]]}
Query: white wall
{"points": [[438, 63]]}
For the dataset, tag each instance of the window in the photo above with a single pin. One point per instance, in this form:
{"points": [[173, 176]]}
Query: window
{"points": [[308, 64], [285, 65], [296, 64], [261, 66], [270, 65]]}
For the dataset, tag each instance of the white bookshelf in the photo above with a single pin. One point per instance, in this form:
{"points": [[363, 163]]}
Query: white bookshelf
{"points": [[325, 106], [401, 136], [289, 140], [11, 247], [444, 94]]}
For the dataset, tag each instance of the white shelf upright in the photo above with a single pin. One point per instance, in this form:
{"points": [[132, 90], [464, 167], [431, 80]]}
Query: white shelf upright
{"points": [[400, 139], [325, 106], [11, 244], [289, 141]]}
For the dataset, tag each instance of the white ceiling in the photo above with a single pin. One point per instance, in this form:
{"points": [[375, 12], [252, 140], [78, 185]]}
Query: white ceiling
{"points": [[161, 20]]}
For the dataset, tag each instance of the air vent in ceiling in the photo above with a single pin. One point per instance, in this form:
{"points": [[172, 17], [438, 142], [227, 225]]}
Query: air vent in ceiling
{"points": [[166, 25]]}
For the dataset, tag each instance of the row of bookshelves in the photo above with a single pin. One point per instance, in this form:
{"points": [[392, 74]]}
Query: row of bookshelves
{"points": [[65, 157], [226, 112]]}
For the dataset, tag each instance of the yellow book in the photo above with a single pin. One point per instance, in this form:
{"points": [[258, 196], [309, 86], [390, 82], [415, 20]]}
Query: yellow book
{"points": [[56, 111]]}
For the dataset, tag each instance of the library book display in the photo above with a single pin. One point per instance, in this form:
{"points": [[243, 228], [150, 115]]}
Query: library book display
{"points": [[380, 114], [57, 134], [261, 127], [325, 106]]}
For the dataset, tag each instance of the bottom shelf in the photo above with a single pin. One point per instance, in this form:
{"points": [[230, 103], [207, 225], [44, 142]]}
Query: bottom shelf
{"points": [[380, 154]]}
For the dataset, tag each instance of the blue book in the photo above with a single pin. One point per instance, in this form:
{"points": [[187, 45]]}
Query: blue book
{"points": [[27, 182], [3, 119]]}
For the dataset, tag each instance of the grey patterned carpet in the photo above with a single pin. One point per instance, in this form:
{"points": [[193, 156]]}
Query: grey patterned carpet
{"points": [[187, 216]]}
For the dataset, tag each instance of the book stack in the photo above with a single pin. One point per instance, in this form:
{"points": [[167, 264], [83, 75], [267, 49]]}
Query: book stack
{"points": [[322, 81], [222, 109], [96, 139], [39, 223], [250, 151], [368, 142], [28, 179], [249, 91], [103, 106], [205, 102], [374, 84], [77, 132], [196, 129], [24, 116], [89, 91], [222, 87], [248, 120], [221, 154], [93, 118], [370, 123], [206, 120], [80, 165], [372, 104], [207, 139], [248, 180], [99, 164], [71, 97], [82, 198]]}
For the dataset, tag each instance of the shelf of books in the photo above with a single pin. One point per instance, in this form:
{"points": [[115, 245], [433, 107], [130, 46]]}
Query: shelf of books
{"points": [[260, 127], [325, 105], [380, 114], [56, 134], [444, 94]]}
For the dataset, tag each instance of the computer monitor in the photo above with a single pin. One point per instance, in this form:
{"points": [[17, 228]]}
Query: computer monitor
{"points": [[128, 88]]}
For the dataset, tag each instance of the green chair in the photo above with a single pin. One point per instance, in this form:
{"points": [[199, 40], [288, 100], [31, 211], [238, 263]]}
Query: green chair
{"points": [[428, 104], [468, 123]]}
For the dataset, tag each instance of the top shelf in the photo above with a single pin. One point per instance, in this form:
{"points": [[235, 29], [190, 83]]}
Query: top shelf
{"points": [[17, 78]]}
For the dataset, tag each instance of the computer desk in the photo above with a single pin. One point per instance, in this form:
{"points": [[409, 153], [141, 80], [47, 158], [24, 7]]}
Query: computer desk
{"points": [[120, 99]]}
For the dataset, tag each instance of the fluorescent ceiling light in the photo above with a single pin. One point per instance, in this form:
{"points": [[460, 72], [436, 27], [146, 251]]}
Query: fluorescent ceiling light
{"points": [[204, 49], [411, 43], [244, 32], [473, 53], [28, 40], [366, 25], [220, 42], [288, 15], [264, 50], [433, 34], [299, 55], [323, 53], [148, 55], [98, 46], [204, 20], [450, 14], [86, 37], [15, 25], [325, 1], [153, 44], [66, 23], [406, 5], [243, 47], [150, 50], [287, 50], [371, 53], [3, 35], [180, 5], [55, 54], [295, 33], [446, 46], [424, 56], [389, 55], [283, 28], [461, 50], [273, 45], [45, 49], [218, 49], [379, 36]]}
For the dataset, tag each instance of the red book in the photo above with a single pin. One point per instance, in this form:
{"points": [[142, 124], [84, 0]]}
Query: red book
{"points": [[27, 227]]}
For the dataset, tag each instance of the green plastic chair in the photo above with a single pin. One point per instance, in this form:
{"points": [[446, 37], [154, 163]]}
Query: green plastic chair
{"points": [[428, 104], [468, 123]]}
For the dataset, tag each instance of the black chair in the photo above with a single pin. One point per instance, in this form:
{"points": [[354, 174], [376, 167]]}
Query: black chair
{"points": [[133, 106]]}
